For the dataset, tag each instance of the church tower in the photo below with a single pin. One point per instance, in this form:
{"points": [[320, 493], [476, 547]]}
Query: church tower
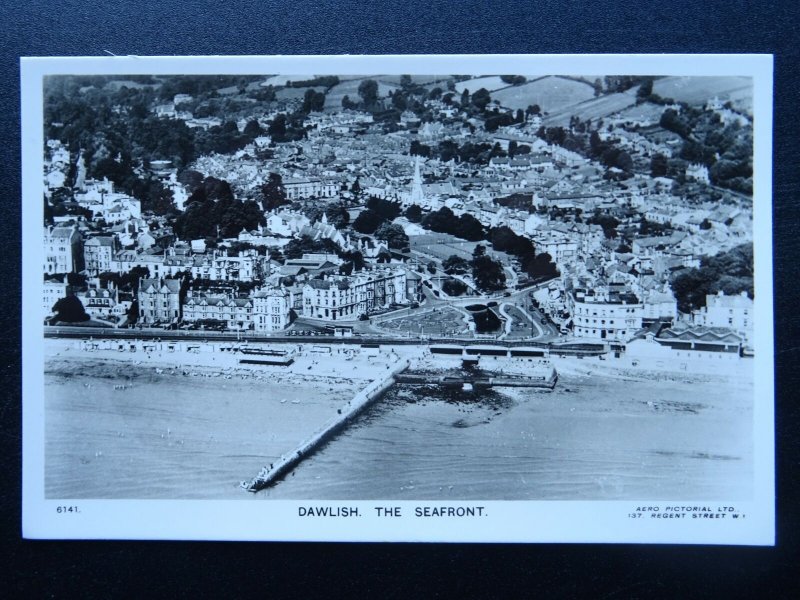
{"points": [[417, 195]]}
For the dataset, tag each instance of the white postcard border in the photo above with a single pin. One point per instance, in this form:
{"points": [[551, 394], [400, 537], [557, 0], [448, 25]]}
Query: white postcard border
{"points": [[509, 521]]}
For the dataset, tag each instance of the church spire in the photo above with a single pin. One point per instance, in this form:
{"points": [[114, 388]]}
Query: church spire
{"points": [[417, 195]]}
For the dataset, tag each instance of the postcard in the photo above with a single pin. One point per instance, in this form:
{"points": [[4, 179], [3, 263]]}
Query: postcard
{"points": [[398, 298]]}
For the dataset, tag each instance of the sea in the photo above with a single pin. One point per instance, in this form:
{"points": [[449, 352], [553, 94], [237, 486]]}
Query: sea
{"points": [[594, 437]]}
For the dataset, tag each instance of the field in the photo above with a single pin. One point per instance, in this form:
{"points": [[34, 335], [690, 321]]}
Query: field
{"points": [[441, 246], [643, 111], [295, 93], [333, 99], [548, 92], [595, 108], [698, 90], [490, 83]]}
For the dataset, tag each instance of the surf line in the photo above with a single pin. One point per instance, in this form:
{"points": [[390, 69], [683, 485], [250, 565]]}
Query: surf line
{"points": [[287, 462]]}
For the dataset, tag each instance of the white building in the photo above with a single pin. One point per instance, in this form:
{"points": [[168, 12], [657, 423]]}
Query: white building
{"points": [[159, 300], [309, 188], [52, 292], [731, 312], [272, 308], [347, 298], [697, 172], [62, 250], [98, 254], [603, 314]]}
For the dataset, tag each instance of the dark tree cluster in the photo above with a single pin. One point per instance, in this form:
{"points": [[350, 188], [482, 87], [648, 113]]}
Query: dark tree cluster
{"points": [[731, 272], [465, 226], [513, 79], [487, 273], [326, 81], [211, 211], [454, 287], [307, 245], [607, 222]]}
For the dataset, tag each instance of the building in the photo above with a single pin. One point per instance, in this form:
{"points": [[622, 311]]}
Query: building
{"points": [[52, 292], [700, 348], [605, 313], [697, 172], [236, 313], [272, 309], [63, 250], [159, 300], [98, 254], [99, 302], [731, 312], [338, 297], [297, 189]]}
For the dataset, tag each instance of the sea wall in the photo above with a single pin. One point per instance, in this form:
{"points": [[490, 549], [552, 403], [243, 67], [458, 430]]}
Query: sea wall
{"points": [[287, 462]]}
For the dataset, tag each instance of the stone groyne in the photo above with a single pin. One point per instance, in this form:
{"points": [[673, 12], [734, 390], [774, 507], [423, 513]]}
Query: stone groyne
{"points": [[287, 462]]}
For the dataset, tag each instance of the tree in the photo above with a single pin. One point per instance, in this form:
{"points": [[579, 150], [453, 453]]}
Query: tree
{"points": [[253, 129], [274, 193], [432, 268], [70, 310], [454, 287], [488, 273], [337, 215], [393, 235], [598, 87], [414, 213], [277, 128], [368, 90], [464, 98], [313, 101], [645, 91], [368, 221], [658, 165], [348, 104], [481, 98], [455, 265]]}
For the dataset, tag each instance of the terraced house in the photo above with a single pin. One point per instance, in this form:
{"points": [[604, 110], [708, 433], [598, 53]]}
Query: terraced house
{"points": [[343, 298]]}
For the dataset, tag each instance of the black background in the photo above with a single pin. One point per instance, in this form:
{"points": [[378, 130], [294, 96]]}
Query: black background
{"points": [[174, 27]]}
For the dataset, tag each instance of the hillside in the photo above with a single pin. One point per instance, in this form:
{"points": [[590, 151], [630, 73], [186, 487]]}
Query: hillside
{"points": [[333, 99], [549, 93], [490, 83], [698, 90], [594, 108]]}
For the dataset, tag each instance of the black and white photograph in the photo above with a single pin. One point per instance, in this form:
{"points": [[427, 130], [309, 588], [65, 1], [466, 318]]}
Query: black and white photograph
{"points": [[430, 289]]}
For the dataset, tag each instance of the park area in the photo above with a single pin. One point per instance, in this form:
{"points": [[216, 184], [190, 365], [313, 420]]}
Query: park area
{"points": [[440, 246], [438, 322]]}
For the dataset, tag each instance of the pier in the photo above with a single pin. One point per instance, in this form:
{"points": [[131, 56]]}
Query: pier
{"points": [[284, 465], [480, 381]]}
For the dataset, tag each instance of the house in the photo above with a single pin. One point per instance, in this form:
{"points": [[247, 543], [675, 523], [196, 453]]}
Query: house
{"points": [[338, 297], [605, 313], [731, 312], [98, 253], [52, 292], [236, 313], [159, 300], [272, 309], [63, 250]]}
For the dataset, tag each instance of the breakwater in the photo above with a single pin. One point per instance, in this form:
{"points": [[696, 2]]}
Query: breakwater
{"points": [[280, 468], [545, 381]]}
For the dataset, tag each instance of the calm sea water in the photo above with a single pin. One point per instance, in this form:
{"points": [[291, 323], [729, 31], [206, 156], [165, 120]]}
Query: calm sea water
{"points": [[592, 438]]}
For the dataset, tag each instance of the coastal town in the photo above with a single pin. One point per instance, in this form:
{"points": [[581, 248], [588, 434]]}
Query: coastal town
{"points": [[560, 210], [254, 272]]}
